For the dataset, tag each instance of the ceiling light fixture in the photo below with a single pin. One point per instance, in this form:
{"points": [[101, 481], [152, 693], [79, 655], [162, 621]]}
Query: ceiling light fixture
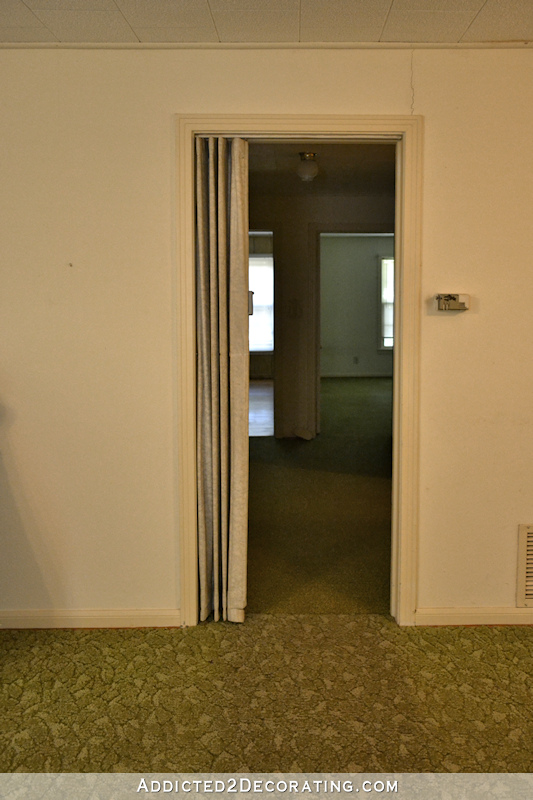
{"points": [[307, 168]]}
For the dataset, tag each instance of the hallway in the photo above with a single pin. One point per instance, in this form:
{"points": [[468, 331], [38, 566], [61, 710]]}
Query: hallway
{"points": [[319, 511]]}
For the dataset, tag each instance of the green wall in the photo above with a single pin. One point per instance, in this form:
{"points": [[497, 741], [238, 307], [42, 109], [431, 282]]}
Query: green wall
{"points": [[349, 299]]}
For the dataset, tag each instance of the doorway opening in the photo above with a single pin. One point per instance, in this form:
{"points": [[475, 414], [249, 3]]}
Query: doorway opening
{"points": [[406, 133], [320, 492]]}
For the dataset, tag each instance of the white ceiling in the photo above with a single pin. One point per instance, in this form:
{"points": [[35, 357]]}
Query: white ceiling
{"points": [[266, 21]]}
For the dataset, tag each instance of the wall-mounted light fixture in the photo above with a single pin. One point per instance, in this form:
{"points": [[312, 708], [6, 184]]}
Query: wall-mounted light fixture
{"points": [[307, 168]]}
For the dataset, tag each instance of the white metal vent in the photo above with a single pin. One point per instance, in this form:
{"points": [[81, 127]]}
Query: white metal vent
{"points": [[525, 566]]}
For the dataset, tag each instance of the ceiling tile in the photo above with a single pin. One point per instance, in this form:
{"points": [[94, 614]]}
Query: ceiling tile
{"points": [[27, 34], [499, 21], [13, 13], [166, 13], [256, 21], [336, 31], [162, 35], [72, 5], [249, 26], [425, 26], [254, 5], [87, 26], [343, 20], [450, 6], [467, 21]]}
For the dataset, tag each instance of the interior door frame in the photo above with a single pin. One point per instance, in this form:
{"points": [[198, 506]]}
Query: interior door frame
{"points": [[406, 131]]}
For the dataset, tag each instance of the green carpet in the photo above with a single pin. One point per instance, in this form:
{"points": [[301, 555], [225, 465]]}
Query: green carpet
{"points": [[284, 692], [319, 511], [332, 693]]}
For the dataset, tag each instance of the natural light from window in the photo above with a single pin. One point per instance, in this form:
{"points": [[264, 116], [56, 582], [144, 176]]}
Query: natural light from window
{"points": [[387, 303], [261, 283]]}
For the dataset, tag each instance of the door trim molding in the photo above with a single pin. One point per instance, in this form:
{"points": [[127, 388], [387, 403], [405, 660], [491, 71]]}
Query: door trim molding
{"points": [[407, 132]]}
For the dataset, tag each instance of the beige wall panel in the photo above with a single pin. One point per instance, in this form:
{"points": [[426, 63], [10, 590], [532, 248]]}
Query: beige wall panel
{"points": [[476, 388], [87, 378]]}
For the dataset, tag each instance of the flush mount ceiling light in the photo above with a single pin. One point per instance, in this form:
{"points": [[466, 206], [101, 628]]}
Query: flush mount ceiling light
{"points": [[307, 168]]}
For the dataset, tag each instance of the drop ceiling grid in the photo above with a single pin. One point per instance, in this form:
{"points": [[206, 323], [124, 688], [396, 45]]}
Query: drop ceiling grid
{"points": [[169, 21], [14, 14], [425, 26], [165, 13], [71, 5], [499, 21], [83, 26], [343, 20], [266, 21], [256, 22]]}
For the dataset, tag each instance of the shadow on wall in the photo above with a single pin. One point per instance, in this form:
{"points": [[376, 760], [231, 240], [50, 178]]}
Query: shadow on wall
{"points": [[23, 549]]}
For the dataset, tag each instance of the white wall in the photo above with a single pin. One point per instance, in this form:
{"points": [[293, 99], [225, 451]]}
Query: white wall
{"points": [[86, 374], [350, 307]]}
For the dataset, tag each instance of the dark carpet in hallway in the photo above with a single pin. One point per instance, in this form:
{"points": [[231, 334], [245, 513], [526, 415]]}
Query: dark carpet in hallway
{"points": [[320, 510]]}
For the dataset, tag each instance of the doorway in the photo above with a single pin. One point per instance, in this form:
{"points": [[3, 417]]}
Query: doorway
{"points": [[319, 535], [406, 132]]}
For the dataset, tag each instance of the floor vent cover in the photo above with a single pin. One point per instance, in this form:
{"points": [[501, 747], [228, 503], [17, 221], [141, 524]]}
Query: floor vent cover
{"points": [[525, 566]]}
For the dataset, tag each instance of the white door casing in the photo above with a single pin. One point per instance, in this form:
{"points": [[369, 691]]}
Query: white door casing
{"points": [[406, 131]]}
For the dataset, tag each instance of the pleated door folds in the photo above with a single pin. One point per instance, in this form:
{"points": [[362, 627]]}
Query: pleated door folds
{"points": [[222, 374]]}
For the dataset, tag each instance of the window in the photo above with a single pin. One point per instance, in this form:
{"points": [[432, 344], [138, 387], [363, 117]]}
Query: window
{"points": [[387, 303], [261, 283]]}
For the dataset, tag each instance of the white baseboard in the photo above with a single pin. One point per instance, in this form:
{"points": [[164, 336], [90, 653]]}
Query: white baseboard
{"points": [[171, 617], [91, 618], [474, 616]]}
